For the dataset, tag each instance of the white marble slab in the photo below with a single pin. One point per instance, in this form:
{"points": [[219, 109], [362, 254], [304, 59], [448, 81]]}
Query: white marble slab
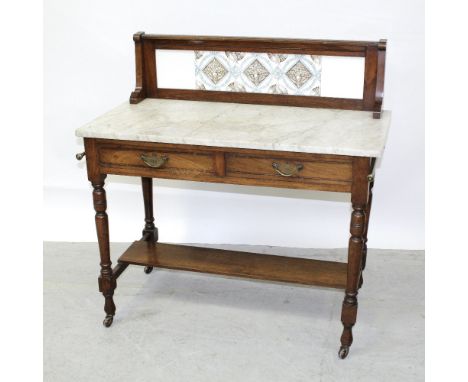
{"points": [[299, 129]]}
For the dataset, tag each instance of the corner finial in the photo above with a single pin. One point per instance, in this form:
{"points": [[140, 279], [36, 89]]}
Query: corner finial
{"points": [[382, 45], [138, 36]]}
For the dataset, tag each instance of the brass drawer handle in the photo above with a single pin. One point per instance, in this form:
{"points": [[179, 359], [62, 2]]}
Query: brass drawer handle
{"points": [[154, 160], [287, 169]]}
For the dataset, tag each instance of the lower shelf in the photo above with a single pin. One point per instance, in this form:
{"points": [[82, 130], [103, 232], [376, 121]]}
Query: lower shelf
{"points": [[234, 263]]}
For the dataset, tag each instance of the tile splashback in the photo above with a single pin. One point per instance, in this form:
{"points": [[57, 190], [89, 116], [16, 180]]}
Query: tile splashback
{"points": [[258, 72]]}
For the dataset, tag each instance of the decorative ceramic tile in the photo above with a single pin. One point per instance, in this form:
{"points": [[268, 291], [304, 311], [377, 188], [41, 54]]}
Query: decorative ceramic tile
{"points": [[215, 71], [258, 72], [299, 74]]}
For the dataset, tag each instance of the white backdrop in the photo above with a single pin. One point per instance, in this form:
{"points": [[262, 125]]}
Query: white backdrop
{"points": [[89, 68]]}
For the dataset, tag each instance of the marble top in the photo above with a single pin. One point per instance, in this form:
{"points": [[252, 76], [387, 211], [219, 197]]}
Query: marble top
{"points": [[283, 128]]}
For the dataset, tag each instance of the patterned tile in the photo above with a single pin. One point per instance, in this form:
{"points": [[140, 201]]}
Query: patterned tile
{"points": [[258, 72], [299, 74], [215, 71]]}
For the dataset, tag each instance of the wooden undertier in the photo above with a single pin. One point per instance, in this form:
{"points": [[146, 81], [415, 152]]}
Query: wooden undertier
{"points": [[235, 263]]}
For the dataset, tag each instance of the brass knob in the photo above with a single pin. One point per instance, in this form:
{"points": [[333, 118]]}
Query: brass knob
{"points": [[80, 156]]}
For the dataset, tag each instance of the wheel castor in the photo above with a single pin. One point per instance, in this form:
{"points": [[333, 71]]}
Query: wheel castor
{"points": [[148, 270], [108, 321], [343, 352]]}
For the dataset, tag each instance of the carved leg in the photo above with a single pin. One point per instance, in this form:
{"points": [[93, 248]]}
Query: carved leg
{"points": [[359, 199], [366, 227], [107, 283], [150, 232], [355, 250]]}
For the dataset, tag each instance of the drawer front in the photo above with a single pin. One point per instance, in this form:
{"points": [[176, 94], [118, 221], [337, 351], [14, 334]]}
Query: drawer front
{"points": [[164, 163], [224, 165], [289, 169]]}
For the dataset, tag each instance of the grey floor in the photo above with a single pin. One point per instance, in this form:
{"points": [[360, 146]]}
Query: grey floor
{"points": [[181, 326]]}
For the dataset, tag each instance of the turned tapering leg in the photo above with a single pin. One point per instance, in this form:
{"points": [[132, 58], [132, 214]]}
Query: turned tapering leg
{"points": [[150, 232], [359, 199], [107, 283]]}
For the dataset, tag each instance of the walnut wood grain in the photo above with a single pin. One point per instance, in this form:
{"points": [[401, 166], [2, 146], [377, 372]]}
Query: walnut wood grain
{"points": [[260, 166], [260, 45], [139, 93], [359, 200], [181, 163], [366, 228], [106, 280], [379, 91], [150, 232], [235, 263], [370, 78], [261, 99], [219, 163], [226, 165]]}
